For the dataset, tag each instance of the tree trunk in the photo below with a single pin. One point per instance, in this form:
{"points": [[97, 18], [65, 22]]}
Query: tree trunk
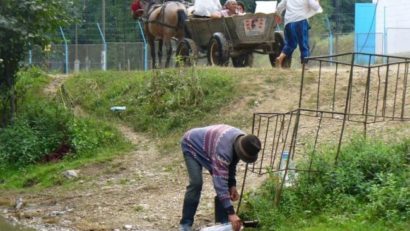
{"points": [[7, 94]]}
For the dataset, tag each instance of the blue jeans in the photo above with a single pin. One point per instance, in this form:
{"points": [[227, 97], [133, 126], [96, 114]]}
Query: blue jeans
{"points": [[193, 190], [297, 33]]}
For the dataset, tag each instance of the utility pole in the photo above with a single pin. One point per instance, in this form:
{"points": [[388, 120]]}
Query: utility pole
{"points": [[103, 17], [336, 4], [76, 60]]}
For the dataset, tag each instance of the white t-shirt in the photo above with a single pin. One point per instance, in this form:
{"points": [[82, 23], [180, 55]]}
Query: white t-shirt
{"points": [[206, 7], [297, 10]]}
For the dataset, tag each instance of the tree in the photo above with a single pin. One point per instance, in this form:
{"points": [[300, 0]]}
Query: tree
{"points": [[24, 23]]}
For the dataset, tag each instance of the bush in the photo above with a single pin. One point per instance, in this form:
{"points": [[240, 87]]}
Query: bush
{"points": [[43, 128], [87, 135], [19, 144], [35, 133], [370, 182]]}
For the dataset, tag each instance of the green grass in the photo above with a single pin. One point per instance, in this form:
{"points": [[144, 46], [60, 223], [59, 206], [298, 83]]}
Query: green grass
{"points": [[158, 102], [329, 222], [50, 174], [368, 190]]}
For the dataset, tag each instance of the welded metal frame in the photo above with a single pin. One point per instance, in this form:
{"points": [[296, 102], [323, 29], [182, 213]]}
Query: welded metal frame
{"points": [[280, 132]]}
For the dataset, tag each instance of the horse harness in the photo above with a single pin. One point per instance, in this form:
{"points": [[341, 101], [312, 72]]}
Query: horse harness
{"points": [[162, 20]]}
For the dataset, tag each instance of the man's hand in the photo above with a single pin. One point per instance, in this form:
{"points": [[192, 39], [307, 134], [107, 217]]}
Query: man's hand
{"points": [[233, 192], [235, 221]]}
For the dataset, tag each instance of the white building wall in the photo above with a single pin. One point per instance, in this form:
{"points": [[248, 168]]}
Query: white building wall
{"points": [[393, 21]]}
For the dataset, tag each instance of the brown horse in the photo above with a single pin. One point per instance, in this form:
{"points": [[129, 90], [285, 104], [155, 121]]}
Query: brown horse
{"points": [[163, 22]]}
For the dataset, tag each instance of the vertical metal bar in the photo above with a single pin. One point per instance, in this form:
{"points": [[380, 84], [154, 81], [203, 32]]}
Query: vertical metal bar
{"points": [[395, 90], [30, 55], [242, 188], [145, 46], [104, 64], [264, 146], [286, 138], [257, 134], [273, 153], [279, 190], [329, 28], [367, 93], [386, 84], [318, 87], [282, 126], [378, 94], [294, 135], [66, 50], [406, 75], [349, 89], [349, 105], [301, 88], [246, 169], [315, 143], [334, 89]]}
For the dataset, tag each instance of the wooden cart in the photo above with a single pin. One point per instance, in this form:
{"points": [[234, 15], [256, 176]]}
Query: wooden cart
{"points": [[237, 38]]}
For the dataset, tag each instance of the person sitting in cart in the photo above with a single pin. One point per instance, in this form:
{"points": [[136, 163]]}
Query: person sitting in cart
{"points": [[241, 9], [230, 9]]}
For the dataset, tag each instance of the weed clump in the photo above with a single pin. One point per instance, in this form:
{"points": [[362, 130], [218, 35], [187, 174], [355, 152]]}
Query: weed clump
{"points": [[369, 185]]}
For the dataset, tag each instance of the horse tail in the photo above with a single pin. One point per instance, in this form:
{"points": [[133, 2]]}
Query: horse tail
{"points": [[182, 17]]}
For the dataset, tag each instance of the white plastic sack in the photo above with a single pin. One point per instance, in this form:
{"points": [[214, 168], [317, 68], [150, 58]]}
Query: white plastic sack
{"points": [[206, 7], [266, 7]]}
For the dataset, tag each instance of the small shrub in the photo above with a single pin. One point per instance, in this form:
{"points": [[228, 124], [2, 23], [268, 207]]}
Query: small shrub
{"points": [[370, 183], [19, 144], [87, 135], [35, 133]]}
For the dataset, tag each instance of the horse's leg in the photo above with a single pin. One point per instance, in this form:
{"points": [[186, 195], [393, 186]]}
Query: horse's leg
{"points": [[160, 44], [168, 45], [151, 41]]}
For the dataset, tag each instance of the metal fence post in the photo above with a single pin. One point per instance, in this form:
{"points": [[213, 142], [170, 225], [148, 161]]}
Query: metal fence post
{"points": [[66, 50], [104, 52], [145, 46], [329, 28], [30, 56]]}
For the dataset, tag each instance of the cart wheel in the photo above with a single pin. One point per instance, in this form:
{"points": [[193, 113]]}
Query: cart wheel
{"points": [[186, 53], [218, 50], [244, 60], [277, 49]]}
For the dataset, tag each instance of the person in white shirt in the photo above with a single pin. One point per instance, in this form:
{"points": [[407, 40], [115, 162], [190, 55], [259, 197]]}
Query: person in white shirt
{"points": [[296, 27], [230, 9]]}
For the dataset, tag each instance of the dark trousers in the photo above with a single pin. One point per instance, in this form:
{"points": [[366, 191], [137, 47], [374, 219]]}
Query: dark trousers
{"points": [[193, 195], [193, 190], [297, 33]]}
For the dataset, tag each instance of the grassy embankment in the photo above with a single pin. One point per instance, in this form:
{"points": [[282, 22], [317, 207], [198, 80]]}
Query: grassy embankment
{"points": [[46, 128]]}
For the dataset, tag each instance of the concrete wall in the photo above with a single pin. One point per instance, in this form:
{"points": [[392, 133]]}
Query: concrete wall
{"points": [[393, 20]]}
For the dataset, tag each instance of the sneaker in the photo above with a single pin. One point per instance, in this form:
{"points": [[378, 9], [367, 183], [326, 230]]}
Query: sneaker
{"points": [[185, 228]]}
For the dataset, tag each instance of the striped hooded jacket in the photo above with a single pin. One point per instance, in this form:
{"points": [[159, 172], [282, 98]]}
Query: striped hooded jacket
{"points": [[212, 147]]}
